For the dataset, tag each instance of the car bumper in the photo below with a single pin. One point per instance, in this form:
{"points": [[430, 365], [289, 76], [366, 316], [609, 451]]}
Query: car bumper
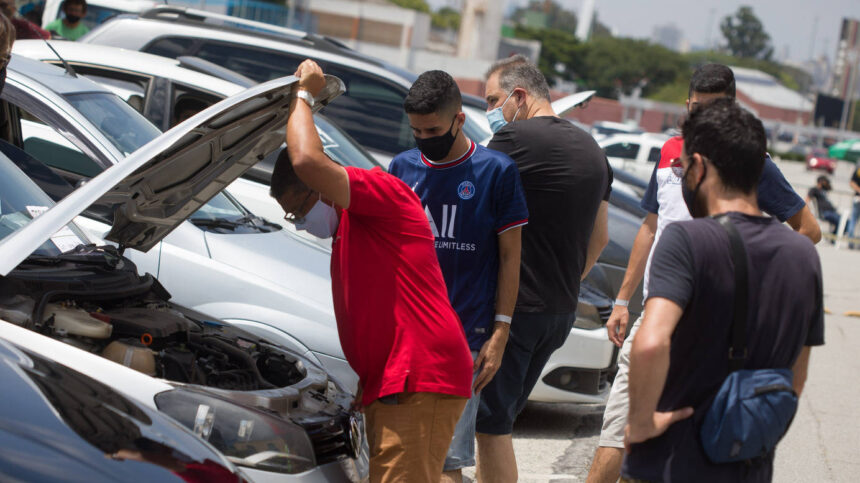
{"points": [[334, 472], [580, 371]]}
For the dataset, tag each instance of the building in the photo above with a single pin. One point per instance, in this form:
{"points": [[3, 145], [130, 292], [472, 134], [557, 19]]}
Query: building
{"points": [[846, 62], [769, 100]]}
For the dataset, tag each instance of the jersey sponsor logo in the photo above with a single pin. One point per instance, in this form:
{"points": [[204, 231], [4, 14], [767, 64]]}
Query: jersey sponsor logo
{"points": [[466, 190], [449, 215]]}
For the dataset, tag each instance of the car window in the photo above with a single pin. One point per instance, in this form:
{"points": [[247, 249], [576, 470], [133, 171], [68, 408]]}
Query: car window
{"points": [[188, 101], [622, 150], [124, 127], [97, 14], [171, 47], [129, 87], [47, 145], [257, 64], [654, 155], [371, 111]]}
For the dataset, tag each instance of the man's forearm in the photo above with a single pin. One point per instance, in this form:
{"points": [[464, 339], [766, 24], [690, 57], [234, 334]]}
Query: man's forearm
{"points": [[303, 141], [510, 243], [638, 257], [598, 240]]}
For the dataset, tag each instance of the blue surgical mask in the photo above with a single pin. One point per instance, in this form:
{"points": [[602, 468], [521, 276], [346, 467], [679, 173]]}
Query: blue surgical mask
{"points": [[321, 221], [497, 118]]}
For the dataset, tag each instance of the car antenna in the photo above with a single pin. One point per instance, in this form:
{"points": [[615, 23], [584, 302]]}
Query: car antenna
{"points": [[69, 69]]}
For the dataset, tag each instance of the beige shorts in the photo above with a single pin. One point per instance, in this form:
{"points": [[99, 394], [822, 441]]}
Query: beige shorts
{"points": [[409, 440], [615, 414]]}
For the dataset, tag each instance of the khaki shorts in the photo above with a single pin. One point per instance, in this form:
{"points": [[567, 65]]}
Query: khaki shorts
{"points": [[615, 414], [409, 435]]}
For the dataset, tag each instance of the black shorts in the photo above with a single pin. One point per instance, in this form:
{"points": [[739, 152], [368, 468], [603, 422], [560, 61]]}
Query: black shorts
{"points": [[533, 339]]}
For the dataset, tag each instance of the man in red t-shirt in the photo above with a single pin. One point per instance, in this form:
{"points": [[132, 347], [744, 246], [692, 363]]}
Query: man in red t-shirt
{"points": [[396, 326]]}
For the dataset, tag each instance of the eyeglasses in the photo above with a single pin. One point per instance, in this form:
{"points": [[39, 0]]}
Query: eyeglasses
{"points": [[290, 217]]}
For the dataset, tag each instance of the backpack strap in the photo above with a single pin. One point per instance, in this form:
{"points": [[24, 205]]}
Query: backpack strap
{"points": [[738, 348]]}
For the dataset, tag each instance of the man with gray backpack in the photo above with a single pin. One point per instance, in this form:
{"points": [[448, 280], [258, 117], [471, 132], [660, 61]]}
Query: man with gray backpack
{"points": [[734, 305]]}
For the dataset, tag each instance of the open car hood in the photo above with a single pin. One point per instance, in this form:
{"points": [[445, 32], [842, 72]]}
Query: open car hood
{"points": [[161, 184], [568, 103]]}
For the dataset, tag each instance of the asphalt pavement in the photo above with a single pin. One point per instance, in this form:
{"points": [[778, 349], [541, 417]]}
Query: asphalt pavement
{"points": [[555, 442]]}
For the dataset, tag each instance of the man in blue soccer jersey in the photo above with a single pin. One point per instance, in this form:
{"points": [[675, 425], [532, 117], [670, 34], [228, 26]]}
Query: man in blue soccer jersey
{"points": [[474, 201]]}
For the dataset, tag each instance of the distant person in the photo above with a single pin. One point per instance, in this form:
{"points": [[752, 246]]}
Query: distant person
{"points": [[680, 355], [475, 203], [664, 201], [826, 210], [24, 29], [855, 208], [185, 108], [70, 27], [567, 182]]}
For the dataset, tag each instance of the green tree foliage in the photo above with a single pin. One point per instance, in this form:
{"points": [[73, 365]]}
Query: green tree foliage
{"points": [[745, 36], [420, 5], [618, 65], [556, 16], [561, 55], [446, 18]]}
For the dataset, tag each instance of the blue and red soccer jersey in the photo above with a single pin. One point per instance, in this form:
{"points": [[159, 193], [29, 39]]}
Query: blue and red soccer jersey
{"points": [[468, 202]]}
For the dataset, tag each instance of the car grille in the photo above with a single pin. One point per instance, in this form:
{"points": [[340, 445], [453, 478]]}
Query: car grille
{"points": [[333, 439]]}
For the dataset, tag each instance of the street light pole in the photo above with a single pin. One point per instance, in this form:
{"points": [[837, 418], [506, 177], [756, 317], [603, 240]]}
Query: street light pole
{"points": [[851, 88]]}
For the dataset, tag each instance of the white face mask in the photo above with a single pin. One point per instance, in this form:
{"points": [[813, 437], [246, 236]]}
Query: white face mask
{"points": [[321, 221], [497, 118]]}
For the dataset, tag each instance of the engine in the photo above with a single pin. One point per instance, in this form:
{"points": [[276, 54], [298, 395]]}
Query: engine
{"points": [[132, 324]]}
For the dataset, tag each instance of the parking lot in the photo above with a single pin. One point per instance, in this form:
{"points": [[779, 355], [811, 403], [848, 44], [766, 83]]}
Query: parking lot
{"points": [[556, 442]]}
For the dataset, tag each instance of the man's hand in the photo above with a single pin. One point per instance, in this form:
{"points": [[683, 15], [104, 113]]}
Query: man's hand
{"points": [[310, 77], [490, 357], [660, 422], [356, 401], [617, 324]]}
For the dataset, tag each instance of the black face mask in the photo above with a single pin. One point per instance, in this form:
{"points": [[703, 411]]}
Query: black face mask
{"points": [[73, 18], [437, 147], [690, 195]]}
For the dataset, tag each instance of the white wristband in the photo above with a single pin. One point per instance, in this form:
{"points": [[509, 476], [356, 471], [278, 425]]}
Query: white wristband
{"points": [[503, 318], [622, 302]]}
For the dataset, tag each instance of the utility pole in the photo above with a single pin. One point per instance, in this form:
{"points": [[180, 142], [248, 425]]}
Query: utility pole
{"points": [[586, 18], [851, 88]]}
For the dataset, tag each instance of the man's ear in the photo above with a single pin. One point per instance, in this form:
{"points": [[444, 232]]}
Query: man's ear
{"points": [[520, 96], [699, 163]]}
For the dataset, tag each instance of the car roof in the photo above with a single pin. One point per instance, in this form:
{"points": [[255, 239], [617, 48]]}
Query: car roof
{"points": [[52, 77], [128, 60], [129, 31]]}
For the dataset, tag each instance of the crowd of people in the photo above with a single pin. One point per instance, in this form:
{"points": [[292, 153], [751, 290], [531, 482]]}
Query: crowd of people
{"points": [[456, 274]]}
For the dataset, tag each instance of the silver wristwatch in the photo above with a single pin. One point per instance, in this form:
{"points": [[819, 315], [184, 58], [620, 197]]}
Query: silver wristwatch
{"points": [[306, 96]]}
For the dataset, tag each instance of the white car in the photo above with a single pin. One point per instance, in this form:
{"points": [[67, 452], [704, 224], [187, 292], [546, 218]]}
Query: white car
{"points": [[579, 372], [93, 298], [634, 153]]}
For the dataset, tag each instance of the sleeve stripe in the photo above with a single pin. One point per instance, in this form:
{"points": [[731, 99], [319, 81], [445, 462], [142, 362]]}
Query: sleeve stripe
{"points": [[512, 225]]}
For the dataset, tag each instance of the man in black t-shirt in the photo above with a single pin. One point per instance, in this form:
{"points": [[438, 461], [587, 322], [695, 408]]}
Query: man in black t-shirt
{"points": [[826, 210], [680, 354], [567, 182]]}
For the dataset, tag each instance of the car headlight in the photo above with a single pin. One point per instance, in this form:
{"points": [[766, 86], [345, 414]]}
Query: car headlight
{"points": [[588, 317], [246, 436]]}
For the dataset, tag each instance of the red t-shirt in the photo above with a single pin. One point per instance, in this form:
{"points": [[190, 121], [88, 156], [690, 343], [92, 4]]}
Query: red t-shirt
{"points": [[396, 325]]}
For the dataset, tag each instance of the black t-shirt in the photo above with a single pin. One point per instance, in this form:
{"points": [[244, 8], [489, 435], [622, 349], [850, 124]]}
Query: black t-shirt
{"points": [[692, 267], [565, 176], [821, 200]]}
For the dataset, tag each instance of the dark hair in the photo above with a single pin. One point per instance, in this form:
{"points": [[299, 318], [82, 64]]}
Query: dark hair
{"points": [[731, 138], [82, 3], [433, 92], [518, 71], [284, 177], [7, 35], [186, 103], [713, 79], [823, 178]]}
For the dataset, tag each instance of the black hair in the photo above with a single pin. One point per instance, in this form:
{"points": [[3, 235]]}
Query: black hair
{"points": [[284, 178], [731, 138], [823, 178], [82, 3], [713, 79], [433, 92]]}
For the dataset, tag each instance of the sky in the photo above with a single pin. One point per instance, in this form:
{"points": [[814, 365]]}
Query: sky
{"points": [[790, 23]]}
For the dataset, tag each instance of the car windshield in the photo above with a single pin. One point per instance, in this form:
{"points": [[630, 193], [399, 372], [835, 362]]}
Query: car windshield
{"points": [[219, 207], [21, 201], [126, 128], [340, 147]]}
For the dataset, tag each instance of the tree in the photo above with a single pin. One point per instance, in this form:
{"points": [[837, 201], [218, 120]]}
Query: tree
{"points": [[446, 18], [745, 35], [561, 54], [420, 5], [556, 16]]}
